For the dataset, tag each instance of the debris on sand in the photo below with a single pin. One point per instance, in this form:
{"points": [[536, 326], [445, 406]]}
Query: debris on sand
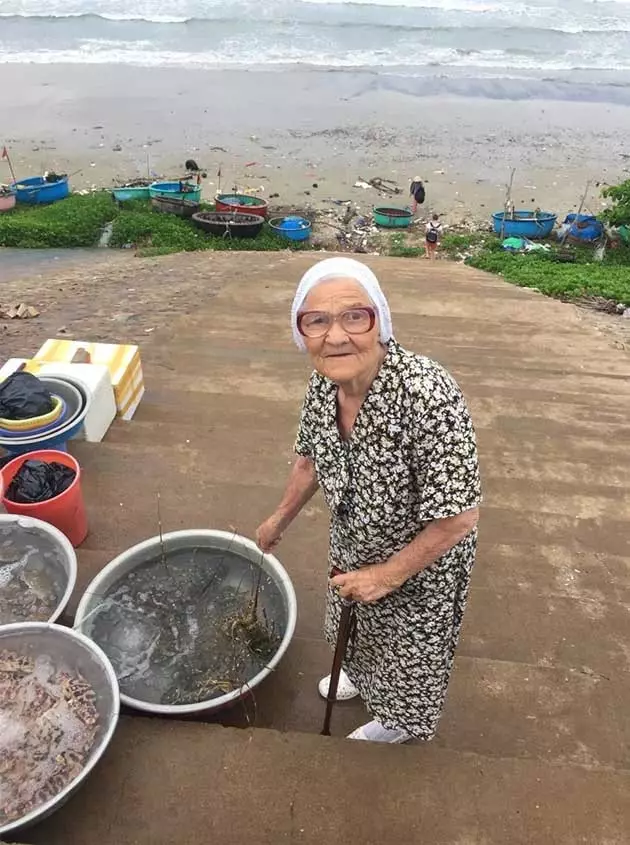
{"points": [[18, 311]]}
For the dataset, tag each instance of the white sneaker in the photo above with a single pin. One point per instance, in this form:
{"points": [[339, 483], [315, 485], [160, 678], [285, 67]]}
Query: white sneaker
{"points": [[374, 732], [345, 688]]}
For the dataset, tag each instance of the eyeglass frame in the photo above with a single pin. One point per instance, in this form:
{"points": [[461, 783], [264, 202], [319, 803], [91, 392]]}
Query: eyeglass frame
{"points": [[336, 318]]}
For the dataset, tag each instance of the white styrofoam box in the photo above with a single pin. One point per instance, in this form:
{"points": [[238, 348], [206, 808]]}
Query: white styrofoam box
{"points": [[96, 379]]}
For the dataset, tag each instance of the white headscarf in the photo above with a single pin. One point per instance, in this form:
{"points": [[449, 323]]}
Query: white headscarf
{"points": [[342, 268]]}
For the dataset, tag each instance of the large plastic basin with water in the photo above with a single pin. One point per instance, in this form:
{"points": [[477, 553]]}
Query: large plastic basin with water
{"points": [[177, 542]]}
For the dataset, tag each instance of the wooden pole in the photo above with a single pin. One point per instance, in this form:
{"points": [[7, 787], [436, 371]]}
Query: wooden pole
{"points": [[508, 195], [579, 211], [5, 154]]}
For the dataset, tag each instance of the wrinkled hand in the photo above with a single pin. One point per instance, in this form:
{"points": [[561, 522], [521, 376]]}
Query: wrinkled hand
{"points": [[368, 584], [269, 534]]}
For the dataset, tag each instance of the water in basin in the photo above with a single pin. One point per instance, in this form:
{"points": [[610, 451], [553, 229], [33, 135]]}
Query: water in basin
{"points": [[189, 627], [32, 576]]}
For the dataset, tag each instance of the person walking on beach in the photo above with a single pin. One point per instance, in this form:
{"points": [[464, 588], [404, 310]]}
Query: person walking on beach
{"points": [[432, 237], [387, 436], [417, 192]]}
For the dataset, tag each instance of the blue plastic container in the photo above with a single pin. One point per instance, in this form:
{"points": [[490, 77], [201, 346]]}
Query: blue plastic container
{"points": [[60, 445], [524, 224], [55, 441], [292, 228], [37, 191], [173, 190]]}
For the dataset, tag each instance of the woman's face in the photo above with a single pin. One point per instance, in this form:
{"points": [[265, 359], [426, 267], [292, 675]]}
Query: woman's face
{"points": [[340, 355]]}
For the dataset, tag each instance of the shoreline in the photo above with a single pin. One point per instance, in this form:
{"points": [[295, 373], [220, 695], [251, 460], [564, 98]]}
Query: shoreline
{"points": [[311, 135]]}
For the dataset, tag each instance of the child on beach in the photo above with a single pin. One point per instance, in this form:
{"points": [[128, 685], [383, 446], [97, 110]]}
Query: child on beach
{"points": [[432, 238]]}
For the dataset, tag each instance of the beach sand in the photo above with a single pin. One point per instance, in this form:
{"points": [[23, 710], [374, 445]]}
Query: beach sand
{"points": [[310, 135]]}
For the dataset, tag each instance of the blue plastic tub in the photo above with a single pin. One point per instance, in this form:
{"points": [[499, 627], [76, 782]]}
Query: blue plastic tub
{"points": [[37, 191], [24, 450], [55, 441], [292, 228], [524, 224]]}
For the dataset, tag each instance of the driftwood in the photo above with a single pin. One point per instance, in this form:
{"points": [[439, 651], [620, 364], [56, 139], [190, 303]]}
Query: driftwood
{"points": [[386, 186]]}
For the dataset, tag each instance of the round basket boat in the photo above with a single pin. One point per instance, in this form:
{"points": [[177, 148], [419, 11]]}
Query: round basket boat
{"points": [[74, 653], [7, 198], [51, 572], [524, 224], [137, 190], [243, 203], [131, 636], [392, 218], [233, 224], [172, 205]]}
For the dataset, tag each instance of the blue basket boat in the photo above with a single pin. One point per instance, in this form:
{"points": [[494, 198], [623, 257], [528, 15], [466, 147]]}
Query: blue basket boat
{"points": [[36, 190], [524, 224], [125, 193], [180, 190], [292, 228], [583, 228]]}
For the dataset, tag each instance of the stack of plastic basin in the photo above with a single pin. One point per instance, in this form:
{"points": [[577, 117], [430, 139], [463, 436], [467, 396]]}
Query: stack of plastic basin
{"points": [[75, 401]]}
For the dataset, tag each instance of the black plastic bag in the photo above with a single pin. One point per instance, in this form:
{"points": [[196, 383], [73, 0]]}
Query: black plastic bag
{"points": [[37, 481], [23, 396]]}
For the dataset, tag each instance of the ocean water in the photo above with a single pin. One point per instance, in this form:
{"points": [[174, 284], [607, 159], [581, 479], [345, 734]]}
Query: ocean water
{"points": [[535, 38]]}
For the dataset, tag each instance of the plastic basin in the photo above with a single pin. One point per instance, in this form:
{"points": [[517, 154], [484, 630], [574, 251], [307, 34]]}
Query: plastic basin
{"points": [[292, 228], [65, 511], [35, 425], [77, 397]]}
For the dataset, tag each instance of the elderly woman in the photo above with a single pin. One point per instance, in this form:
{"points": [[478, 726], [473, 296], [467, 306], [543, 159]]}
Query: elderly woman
{"points": [[387, 436]]}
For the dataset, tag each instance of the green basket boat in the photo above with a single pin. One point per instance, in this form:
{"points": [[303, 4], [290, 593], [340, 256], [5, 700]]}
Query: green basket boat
{"points": [[180, 190], [391, 217]]}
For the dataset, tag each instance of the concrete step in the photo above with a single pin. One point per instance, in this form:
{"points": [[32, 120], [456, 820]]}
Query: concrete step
{"points": [[193, 784]]}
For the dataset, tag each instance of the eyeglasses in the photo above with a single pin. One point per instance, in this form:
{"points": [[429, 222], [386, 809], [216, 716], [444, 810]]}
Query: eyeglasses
{"points": [[353, 321]]}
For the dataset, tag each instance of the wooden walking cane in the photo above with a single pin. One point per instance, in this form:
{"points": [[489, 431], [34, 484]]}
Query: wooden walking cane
{"points": [[343, 634]]}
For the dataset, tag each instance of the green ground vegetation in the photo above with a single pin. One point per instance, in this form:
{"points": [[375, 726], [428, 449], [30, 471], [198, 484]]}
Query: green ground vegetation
{"points": [[544, 271], [78, 222], [619, 212]]}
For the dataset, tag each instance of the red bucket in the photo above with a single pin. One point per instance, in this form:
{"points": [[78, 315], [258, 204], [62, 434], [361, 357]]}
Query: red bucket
{"points": [[65, 511]]}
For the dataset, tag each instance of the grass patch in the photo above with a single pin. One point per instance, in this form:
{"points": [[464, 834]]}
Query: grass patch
{"points": [[609, 279], [398, 247], [74, 222], [454, 246], [78, 222]]}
